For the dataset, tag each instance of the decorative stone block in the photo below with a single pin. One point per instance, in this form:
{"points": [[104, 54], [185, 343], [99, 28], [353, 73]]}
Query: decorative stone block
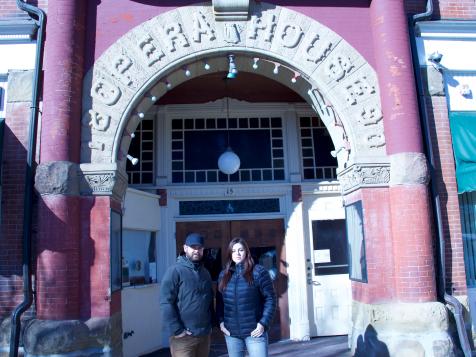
{"points": [[231, 10]]}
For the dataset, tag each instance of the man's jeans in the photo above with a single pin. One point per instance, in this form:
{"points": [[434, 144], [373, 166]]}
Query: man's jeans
{"points": [[190, 346], [256, 346]]}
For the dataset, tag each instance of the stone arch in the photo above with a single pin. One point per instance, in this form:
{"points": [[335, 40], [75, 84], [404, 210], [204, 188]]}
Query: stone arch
{"points": [[134, 72]]}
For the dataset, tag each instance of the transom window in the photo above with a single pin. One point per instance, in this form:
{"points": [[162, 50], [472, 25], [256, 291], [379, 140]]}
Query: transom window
{"points": [[316, 146], [197, 144]]}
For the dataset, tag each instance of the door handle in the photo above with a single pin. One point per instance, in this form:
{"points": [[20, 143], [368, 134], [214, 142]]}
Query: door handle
{"points": [[313, 282]]}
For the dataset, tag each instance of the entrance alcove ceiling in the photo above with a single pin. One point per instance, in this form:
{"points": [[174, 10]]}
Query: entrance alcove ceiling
{"points": [[143, 65], [249, 87]]}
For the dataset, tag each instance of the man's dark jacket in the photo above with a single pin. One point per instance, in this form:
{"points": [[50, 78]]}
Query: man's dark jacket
{"points": [[186, 298], [241, 305]]}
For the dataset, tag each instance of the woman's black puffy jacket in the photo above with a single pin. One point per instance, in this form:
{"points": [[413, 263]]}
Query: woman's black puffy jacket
{"points": [[241, 305]]}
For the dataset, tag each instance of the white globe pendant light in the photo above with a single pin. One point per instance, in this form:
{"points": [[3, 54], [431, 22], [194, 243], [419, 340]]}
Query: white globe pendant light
{"points": [[229, 162]]}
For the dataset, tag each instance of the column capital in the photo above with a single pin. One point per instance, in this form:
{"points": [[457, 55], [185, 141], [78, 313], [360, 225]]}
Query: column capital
{"points": [[102, 180]]}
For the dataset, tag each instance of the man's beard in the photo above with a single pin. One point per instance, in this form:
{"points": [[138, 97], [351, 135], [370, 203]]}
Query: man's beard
{"points": [[194, 257]]}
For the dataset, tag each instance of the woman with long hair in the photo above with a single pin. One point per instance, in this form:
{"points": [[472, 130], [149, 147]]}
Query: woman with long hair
{"points": [[246, 302]]}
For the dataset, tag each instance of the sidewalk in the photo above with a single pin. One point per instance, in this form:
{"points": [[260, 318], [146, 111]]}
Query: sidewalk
{"points": [[334, 346]]}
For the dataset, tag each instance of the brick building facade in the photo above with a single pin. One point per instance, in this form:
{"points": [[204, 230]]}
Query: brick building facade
{"points": [[339, 73]]}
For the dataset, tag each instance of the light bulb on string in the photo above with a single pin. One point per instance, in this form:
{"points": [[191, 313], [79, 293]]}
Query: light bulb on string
{"points": [[228, 162], [132, 159], [255, 63]]}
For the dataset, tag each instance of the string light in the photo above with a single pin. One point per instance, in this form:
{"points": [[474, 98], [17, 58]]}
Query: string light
{"points": [[132, 159], [206, 66], [294, 79], [255, 63], [276, 68], [168, 84], [187, 72]]}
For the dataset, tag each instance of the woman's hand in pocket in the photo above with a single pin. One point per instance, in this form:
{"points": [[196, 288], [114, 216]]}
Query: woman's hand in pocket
{"points": [[223, 329], [258, 331]]}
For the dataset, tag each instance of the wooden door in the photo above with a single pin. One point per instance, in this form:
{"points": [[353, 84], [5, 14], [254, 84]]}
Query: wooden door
{"points": [[266, 241]]}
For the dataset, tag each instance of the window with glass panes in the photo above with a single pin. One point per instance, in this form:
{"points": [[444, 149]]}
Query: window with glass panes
{"points": [[197, 143], [316, 147], [142, 148]]}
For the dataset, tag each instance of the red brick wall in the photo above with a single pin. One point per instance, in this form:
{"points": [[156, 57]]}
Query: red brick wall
{"points": [[378, 246], [96, 300], [413, 243], [8, 8], [446, 183], [14, 161], [58, 257], [445, 9]]}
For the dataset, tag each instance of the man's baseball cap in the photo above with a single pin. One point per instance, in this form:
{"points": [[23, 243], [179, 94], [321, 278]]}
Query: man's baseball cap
{"points": [[194, 239]]}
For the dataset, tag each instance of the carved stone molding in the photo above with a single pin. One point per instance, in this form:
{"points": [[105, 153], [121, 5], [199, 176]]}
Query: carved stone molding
{"points": [[364, 175], [102, 180], [229, 191], [139, 66], [231, 10]]}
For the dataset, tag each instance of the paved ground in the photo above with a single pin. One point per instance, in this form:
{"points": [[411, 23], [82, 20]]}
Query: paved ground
{"points": [[335, 346]]}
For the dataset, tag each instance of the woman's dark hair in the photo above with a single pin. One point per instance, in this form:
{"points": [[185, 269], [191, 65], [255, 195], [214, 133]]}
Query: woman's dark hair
{"points": [[248, 264]]}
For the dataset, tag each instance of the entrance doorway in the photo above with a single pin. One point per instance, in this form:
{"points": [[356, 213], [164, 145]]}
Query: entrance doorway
{"points": [[266, 241], [327, 267]]}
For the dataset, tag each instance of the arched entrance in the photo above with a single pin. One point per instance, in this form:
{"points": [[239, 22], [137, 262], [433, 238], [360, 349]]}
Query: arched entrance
{"points": [[166, 51]]}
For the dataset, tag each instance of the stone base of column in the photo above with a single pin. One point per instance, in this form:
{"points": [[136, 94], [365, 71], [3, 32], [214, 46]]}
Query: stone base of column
{"points": [[300, 331], [93, 337], [401, 329]]}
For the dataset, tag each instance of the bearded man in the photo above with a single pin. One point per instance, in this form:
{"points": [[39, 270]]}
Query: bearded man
{"points": [[186, 301]]}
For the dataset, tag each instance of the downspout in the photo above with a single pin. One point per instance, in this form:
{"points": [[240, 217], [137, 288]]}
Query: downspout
{"points": [[441, 279], [39, 15]]}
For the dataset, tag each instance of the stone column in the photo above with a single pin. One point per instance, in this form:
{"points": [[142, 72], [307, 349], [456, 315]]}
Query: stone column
{"points": [[410, 216], [73, 297], [58, 217], [406, 319], [295, 252]]}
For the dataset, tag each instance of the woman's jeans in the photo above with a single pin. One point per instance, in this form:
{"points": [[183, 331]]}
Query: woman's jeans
{"points": [[256, 346]]}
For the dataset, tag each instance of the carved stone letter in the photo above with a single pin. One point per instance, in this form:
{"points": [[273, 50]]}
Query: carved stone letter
{"points": [[316, 53], [358, 89], [151, 52], [338, 67], [291, 35], [99, 121], [370, 115], [105, 92], [267, 26], [202, 27], [174, 35], [121, 64]]}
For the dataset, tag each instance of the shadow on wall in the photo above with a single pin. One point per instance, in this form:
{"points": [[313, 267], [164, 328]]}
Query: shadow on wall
{"points": [[369, 345]]}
